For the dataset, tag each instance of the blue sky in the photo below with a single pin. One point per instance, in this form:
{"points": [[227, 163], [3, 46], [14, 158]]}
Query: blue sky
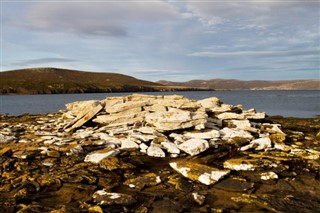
{"points": [[171, 40]]}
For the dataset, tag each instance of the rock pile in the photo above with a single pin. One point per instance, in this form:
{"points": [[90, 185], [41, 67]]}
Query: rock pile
{"points": [[169, 125], [123, 151]]}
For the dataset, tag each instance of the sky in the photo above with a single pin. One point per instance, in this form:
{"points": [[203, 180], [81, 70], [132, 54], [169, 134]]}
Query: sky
{"points": [[165, 40]]}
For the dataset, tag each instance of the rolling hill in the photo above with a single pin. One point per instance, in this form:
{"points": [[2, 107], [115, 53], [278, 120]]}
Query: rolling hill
{"points": [[59, 81], [231, 84], [54, 81]]}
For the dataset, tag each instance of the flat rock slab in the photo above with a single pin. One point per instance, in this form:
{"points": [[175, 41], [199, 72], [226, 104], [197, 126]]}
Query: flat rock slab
{"points": [[84, 116], [194, 146], [96, 157], [199, 172]]}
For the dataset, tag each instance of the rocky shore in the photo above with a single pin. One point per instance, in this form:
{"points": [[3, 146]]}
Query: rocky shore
{"points": [[144, 153]]}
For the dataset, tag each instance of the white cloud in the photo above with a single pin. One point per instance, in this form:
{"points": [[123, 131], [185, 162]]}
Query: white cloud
{"points": [[42, 61], [95, 18], [286, 53], [254, 14]]}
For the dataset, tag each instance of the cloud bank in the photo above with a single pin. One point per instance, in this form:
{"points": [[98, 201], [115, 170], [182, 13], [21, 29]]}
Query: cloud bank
{"points": [[172, 40]]}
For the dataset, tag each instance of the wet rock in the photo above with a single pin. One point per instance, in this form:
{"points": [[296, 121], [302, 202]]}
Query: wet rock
{"points": [[6, 138], [235, 184], [113, 163], [198, 172], [145, 180], [268, 176], [194, 146], [200, 199], [6, 151], [240, 164], [111, 198], [95, 209]]}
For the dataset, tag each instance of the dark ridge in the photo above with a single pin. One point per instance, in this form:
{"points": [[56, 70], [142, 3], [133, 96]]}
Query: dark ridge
{"points": [[59, 81]]}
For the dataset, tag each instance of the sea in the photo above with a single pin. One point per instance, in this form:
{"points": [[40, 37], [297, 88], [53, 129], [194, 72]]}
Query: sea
{"points": [[303, 104]]}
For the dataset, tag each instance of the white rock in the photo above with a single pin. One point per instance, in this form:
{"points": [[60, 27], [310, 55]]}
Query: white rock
{"points": [[268, 176], [230, 115], [143, 137], [198, 172], [147, 130], [155, 151], [282, 146], [203, 135], [210, 102], [272, 128], [77, 107], [194, 146], [84, 115], [102, 136], [6, 138], [198, 198], [175, 119], [171, 147], [75, 150], [155, 108], [96, 157], [242, 124], [116, 120], [171, 120], [28, 141], [120, 107], [239, 165], [222, 108], [228, 133], [252, 114], [82, 134], [128, 144], [112, 198], [143, 147], [258, 144]]}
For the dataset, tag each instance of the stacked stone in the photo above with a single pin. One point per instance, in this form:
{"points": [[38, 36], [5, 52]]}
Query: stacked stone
{"points": [[175, 126], [160, 125]]}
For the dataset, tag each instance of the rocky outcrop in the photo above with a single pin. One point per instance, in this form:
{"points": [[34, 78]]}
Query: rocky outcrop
{"points": [[145, 153], [197, 124]]}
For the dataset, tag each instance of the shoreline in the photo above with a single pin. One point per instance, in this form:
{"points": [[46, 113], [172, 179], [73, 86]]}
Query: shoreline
{"points": [[175, 89]]}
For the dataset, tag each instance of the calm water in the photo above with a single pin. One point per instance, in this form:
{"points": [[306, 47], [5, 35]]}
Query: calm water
{"points": [[285, 103]]}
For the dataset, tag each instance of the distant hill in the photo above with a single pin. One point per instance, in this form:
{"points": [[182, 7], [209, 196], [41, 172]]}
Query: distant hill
{"points": [[225, 84], [58, 81], [53, 80]]}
